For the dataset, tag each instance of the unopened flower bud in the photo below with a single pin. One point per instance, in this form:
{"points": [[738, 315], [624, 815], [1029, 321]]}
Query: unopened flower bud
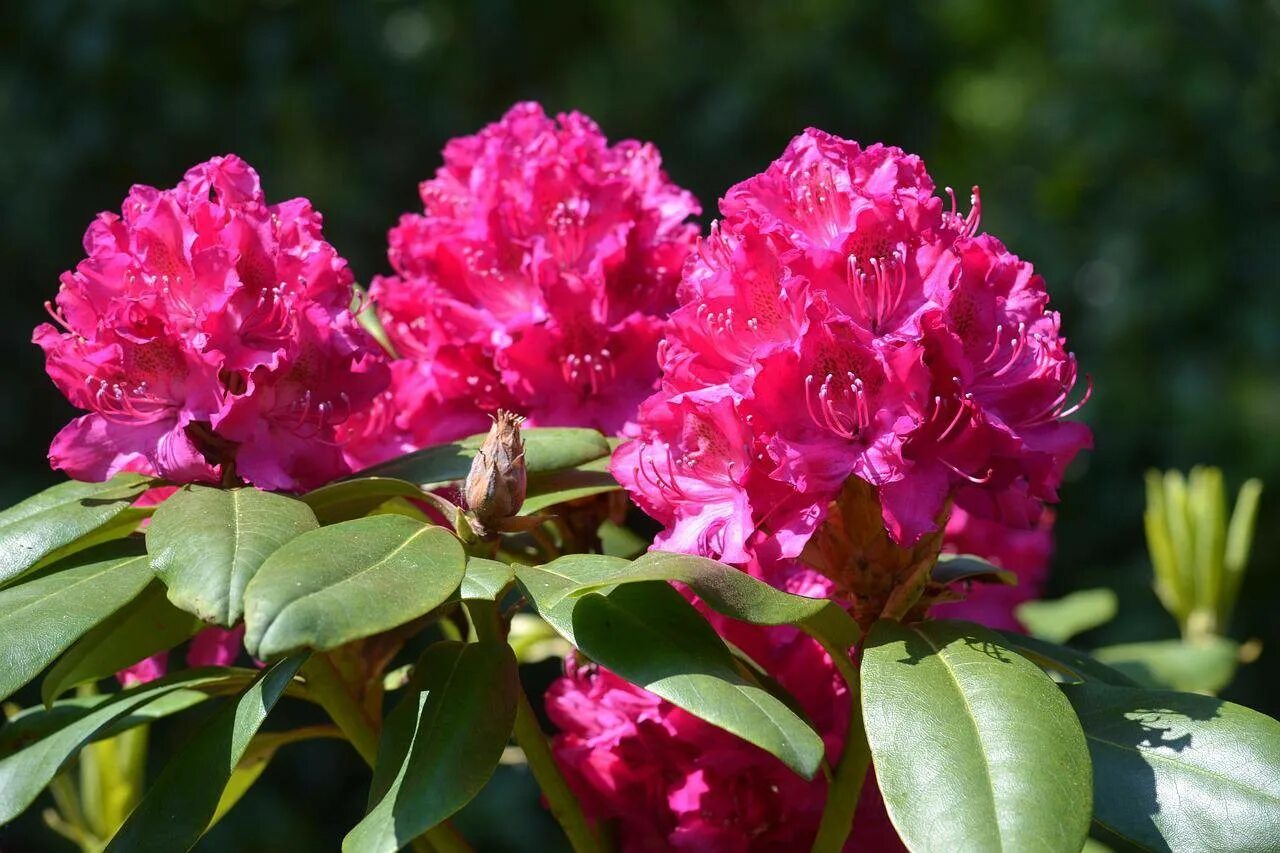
{"points": [[494, 488]]}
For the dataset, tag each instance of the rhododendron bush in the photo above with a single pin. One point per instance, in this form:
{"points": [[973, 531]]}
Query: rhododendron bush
{"points": [[782, 487]]}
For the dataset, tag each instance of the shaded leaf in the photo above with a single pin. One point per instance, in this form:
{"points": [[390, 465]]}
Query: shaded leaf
{"points": [[1064, 661], [347, 499], [26, 771], [206, 544], [485, 579], [557, 487], [349, 580], [723, 588], [143, 627], [178, 808], [39, 619], [650, 635], [441, 743], [1058, 620], [545, 449], [974, 747], [1181, 772], [953, 568], [58, 516], [1206, 665]]}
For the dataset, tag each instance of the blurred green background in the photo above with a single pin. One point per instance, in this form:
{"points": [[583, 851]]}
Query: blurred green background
{"points": [[1128, 149]]}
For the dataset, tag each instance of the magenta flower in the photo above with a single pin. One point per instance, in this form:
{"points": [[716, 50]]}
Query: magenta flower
{"points": [[536, 279], [839, 321], [206, 333]]}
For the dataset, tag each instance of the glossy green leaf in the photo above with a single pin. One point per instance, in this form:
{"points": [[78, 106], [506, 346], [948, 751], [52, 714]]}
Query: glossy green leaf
{"points": [[143, 627], [485, 579], [1066, 663], [27, 770], [32, 724], [725, 589], [545, 449], [206, 544], [58, 516], [349, 580], [347, 499], [39, 619], [557, 487], [180, 804], [953, 568], [974, 747], [1206, 665], [650, 635], [1181, 772], [440, 744], [1058, 620]]}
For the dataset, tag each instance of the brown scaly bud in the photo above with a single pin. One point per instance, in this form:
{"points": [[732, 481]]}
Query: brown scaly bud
{"points": [[871, 572], [495, 487]]}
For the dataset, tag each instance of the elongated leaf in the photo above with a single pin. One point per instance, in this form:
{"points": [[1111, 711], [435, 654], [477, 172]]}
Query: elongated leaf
{"points": [[1058, 620], [1206, 665], [650, 635], [724, 588], [26, 771], [347, 581], [441, 743], [1181, 772], [347, 499], [58, 516], [974, 747], [42, 617], [545, 449], [177, 809], [262, 749], [557, 487], [206, 544], [485, 579], [144, 626], [1065, 662], [952, 568]]}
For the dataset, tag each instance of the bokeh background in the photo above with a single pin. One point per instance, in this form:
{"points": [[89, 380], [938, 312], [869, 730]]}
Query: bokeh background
{"points": [[1128, 149]]}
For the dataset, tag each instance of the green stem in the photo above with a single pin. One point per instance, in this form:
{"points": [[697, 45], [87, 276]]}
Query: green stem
{"points": [[844, 790], [564, 806], [328, 688]]}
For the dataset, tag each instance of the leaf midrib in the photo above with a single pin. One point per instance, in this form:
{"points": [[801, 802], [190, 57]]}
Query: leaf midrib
{"points": [[61, 590]]}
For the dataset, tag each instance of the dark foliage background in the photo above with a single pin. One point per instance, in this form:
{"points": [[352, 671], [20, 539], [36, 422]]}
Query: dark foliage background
{"points": [[1128, 149]]}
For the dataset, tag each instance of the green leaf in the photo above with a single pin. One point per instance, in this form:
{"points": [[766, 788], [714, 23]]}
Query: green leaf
{"points": [[650, 635], [26, 771], [953, 568], [974, 747], [557, 487], [349, 580], [347, 499], [1206, 665], [42, 617], [441, 743], [143, 627], [1181, 772], [724, 589], [253, 763], [206, 544], [619, 541], [1060, 619], [1063, 661], [485, 579], [545, 449], [178, 808], [57, 517]]}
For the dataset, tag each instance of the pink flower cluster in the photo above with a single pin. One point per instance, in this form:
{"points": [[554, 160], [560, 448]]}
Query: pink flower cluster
{"points": [[537, 280], [208, 329], [838, 321], [672, 781]]}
